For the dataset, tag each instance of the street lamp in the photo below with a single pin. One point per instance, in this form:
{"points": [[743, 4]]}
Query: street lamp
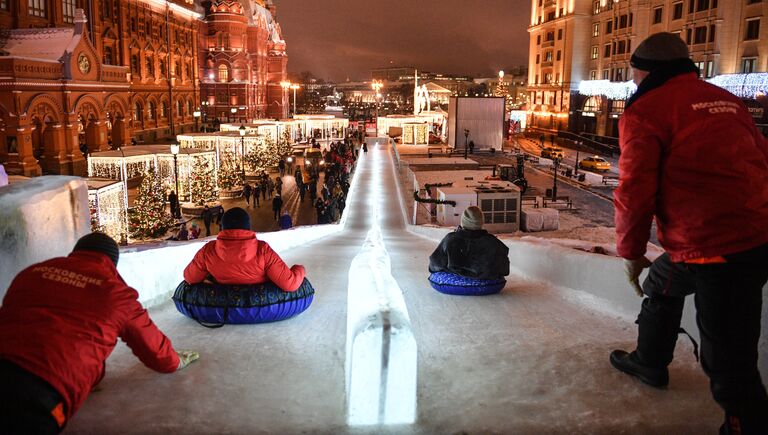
{"points": [[294, 87], [466, 142], [285, 85], [196, 115], [242, 150], [233, 110], [175, 152], [377, 85], [556, 164], [576, 166]]}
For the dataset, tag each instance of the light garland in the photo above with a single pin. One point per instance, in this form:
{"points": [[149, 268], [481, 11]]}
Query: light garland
{"points": [[109, 211], [607, 88], [165, 170], [110, 167], [742, 85]]}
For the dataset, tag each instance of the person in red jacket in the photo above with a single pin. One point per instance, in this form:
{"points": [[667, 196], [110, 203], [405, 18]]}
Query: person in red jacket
{"points": [[238, 257], [59, 321], [692, 158]]}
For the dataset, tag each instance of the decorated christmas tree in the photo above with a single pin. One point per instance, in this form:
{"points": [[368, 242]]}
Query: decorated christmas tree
{"points": [[273, 150], [259, 158], [149, 218], [284, 145], [230, 172], [203, 182]]}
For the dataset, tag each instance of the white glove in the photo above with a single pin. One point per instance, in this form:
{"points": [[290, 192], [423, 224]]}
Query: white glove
{"points": [[186, 357], [633, 268]]}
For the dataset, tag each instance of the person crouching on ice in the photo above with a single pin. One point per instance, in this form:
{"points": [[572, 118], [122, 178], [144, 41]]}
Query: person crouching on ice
{"points": [[470, 251], [238, 257], [59, 321]]}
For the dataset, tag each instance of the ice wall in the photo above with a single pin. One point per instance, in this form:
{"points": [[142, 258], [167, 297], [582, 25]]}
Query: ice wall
{"points": [[40, 218], [599, 279], [155, 270]]}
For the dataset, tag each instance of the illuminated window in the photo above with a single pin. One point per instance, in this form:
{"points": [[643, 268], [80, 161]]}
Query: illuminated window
{"points": [[164, 110], [594, 52], [150, 67], [152, 111], [593, 74], [4, 5], [223, 73], [37, 8], [68, 10], [748, 64], [108, 56], [596, 7], [138, 111], [596, 29]]}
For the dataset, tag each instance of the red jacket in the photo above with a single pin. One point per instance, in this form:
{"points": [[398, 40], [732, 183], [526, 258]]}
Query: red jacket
{"points": [[692, 157], [238, 257], [61, 319]]}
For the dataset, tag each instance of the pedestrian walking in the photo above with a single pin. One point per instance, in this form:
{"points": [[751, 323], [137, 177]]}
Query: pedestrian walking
{"points": [[320, 210], [173, 201], [302, 192], [277, 205], [365, 148], [281, 167], [247, 193], [278, 186], [257, 194], [270, 186], [207, 219], [713, 226]]}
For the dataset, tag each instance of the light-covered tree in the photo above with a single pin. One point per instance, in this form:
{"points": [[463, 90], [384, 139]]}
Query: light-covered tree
{"points": [[230, 172], [149, 218], [203, 182]]}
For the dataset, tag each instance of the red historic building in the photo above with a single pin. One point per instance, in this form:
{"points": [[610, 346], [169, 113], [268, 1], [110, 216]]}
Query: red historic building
{"points": [[242, 61], [79, 76]]}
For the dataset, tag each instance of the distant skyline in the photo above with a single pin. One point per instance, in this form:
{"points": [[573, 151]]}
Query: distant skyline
{"points": [[345, 39]]}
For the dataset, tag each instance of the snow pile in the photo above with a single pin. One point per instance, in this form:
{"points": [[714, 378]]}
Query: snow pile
{"points": [[539, 219], [40, 219], [155, 270]]}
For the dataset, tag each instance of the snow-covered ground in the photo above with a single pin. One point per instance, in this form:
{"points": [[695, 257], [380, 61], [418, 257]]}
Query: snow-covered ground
{"points": [[532, 359]]}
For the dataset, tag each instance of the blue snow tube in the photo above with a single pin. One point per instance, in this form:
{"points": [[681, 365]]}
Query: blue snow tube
{"points": [[214, 305], [452, 284]]}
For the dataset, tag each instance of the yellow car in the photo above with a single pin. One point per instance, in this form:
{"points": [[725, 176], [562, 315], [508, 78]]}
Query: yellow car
{"points": [[552, 153], [595, 163]]}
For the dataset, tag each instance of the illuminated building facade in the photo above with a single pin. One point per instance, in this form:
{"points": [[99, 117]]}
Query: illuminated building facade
{"points": [[587, 45], [242, 61], [78, 77]]}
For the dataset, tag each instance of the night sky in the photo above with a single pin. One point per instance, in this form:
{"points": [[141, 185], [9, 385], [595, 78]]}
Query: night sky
{"points": [[340, 39]]}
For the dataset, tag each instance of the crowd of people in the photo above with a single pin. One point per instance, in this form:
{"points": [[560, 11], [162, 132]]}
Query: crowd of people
{"points": [[331, 200]]}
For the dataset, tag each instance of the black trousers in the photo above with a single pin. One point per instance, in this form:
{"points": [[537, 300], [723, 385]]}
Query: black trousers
{"points": [[728, 298], [26, 402]]}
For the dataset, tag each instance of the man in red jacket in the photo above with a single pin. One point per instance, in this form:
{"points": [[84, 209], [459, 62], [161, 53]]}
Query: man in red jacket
{"points": [[692, 157], [59, 322], [238, 257]]}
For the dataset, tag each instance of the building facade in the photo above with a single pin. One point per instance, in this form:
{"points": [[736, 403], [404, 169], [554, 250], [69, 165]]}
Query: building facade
{"points": [[82, 76], [579, 53], [243, 61]]}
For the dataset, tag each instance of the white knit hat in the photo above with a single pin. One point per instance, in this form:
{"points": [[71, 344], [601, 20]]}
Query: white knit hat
{"points": [[472, 219]]}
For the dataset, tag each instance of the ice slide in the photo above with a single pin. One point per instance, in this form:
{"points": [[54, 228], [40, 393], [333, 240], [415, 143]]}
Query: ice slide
{"points": [[532, 359]]}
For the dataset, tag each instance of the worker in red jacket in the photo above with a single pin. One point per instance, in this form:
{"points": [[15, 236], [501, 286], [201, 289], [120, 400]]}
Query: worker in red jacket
{"points": [[692, 158], [59, 321], [238, 257]]}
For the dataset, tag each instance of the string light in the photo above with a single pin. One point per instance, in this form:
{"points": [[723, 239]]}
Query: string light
{"points": [[607, 88], [742, 85], [108, 210]]}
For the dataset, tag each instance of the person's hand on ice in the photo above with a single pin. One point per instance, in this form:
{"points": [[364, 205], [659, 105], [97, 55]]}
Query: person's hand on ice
{"points": [[633, 268], [186, 357]]}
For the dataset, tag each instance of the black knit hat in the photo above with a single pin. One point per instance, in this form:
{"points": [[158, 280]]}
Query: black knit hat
{"points": [[236, 219], [658, 50], [99, 242]]}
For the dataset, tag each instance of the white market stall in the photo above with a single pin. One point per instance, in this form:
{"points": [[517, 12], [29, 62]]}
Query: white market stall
{"points": [[108, 204], [415, 133]]}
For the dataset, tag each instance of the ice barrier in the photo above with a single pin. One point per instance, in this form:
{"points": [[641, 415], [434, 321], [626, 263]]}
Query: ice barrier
{"points": [[381, 356], [40, 219]]}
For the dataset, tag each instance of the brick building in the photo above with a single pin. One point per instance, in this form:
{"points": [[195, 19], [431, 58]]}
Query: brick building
{"points": [[80, 76]]}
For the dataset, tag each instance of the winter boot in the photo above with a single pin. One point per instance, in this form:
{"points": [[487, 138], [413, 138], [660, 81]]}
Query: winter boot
{"points": [[630, 364]]}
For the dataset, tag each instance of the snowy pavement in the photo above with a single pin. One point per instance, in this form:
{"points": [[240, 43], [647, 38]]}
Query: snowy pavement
{"points": [[532, 359]]}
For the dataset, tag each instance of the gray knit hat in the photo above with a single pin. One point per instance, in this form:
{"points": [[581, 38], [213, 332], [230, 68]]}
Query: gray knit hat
{"points": [[657, 50], [99, 242], [472, 219]]}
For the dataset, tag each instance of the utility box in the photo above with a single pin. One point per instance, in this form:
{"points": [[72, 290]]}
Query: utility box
{"points": [[499, 201]]}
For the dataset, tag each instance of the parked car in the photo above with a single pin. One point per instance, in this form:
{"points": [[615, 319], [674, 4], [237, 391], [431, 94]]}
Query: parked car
{"points": [[552, 153], [595, 163]]}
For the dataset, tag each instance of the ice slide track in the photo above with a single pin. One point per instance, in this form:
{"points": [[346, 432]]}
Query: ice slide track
{"points": [[530, 360]]}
